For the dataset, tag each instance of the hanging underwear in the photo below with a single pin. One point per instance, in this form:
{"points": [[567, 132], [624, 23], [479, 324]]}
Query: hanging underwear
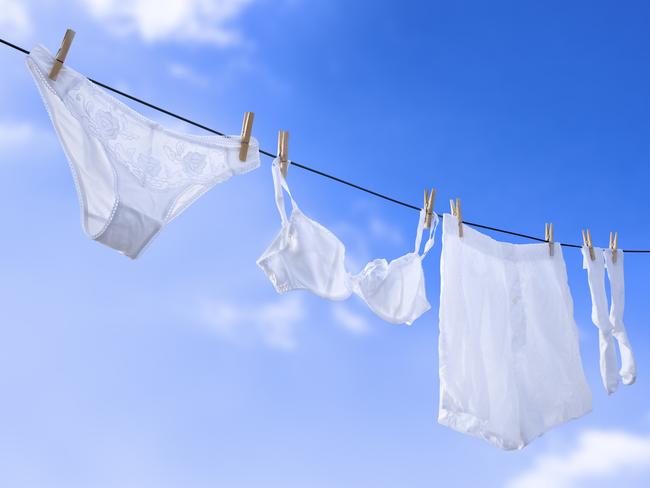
{"points": [[133, 176], [305, 255], [510, 365]]}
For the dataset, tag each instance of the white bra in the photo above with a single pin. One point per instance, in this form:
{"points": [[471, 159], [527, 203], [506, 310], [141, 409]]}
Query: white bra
{"points": [[305, 255]]}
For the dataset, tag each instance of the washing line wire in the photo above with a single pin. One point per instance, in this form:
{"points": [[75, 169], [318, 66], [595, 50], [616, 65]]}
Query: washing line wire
{"points": [[308, 168]]}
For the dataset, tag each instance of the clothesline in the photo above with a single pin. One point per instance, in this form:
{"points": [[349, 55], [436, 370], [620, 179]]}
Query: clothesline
{"points": [[310, 169]]}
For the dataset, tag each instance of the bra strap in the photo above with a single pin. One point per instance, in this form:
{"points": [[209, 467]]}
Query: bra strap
{"points": [[280, 183], [432, 233]]}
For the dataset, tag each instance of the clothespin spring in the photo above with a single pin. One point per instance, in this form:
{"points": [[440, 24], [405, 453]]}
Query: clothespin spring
{"points": [[613, 245], [429, 198], [62, 54], [548, 237], [246, 131], [283, 151], [456, 212], [586, 239]]}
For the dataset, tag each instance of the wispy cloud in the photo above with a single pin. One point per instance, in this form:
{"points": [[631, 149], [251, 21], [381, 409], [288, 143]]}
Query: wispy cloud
{"points": [[598, 453], [203, 21], [273, 323], [17, 134], [185, 73], [349, 320], [384, 231], [361, 240], [15, 20]]}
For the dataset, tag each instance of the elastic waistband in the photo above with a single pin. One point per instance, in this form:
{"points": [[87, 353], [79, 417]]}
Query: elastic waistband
{"points": [[503, 250], [40, 61]]}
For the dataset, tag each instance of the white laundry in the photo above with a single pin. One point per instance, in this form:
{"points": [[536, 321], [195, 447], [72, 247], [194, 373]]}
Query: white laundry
{"points": [[132, 175], [610, 324], [306, 255], [510, 365]]}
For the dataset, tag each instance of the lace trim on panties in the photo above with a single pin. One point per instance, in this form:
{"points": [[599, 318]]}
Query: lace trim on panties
{"points": [[115, 125]]}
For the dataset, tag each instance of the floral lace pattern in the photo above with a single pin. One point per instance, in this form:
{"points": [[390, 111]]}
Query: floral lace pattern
{"points": [[157, 159]]}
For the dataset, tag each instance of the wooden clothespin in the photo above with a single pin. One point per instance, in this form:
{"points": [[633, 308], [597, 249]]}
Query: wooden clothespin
{"points": [[548, 237], [283, 151], [456, 212], [246, 130], [613, 245], [429, 198], [586, 239], [62, 54]]}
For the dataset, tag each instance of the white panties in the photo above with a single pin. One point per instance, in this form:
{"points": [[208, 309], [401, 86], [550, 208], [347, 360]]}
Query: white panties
{"points": [[132, 175], [510, 365]]}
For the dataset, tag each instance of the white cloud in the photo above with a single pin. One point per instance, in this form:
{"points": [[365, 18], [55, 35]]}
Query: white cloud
{"points": [[277, 322], [385, 232], [18, 134], [15, 21], [350, 321], [598, 454], [15, 134], [205, 21], [185, 73], [273, 323]]}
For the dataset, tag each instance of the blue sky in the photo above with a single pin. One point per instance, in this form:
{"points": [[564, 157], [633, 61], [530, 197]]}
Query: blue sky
{"points": [[185, 368]]}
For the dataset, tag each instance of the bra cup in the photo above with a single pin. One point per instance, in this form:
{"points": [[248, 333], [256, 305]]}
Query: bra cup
{"points": [[394, 291], [420, 303], [321, 266], [373, 276], [273, 264], [316, 257]]}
